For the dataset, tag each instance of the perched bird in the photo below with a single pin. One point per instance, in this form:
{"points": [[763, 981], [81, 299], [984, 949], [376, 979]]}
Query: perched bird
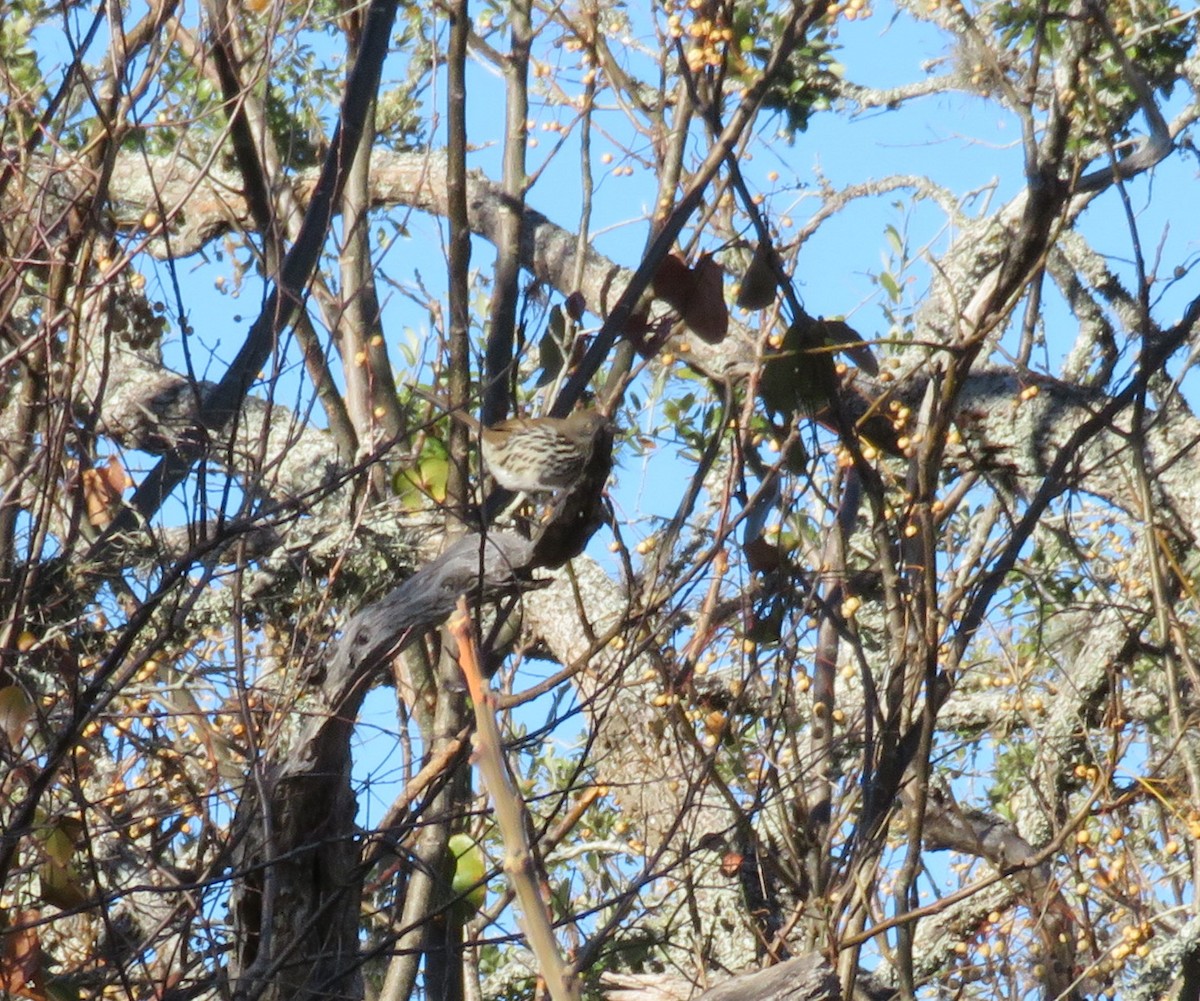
{"points": [[541, 454]]}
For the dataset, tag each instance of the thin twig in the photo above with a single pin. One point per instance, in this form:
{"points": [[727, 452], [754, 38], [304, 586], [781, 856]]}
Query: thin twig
{"points": [[511, 817]]}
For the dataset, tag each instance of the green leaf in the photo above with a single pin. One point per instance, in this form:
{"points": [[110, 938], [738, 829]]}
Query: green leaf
{"points": [[890, 286], [550, 348], [470, 867], [16, 710], [427, 479], [61, 886], [893, 238]]}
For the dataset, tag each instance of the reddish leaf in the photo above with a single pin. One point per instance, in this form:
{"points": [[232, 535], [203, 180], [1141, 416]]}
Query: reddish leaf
{"points": [[115, 476], [646, 338], [673, 282], [706, 314], [731, 863], [576, 304], [102, 489], [21, 967], [761, 555]]}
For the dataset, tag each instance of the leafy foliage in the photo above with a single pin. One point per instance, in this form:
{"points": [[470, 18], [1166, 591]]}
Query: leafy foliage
{"points": [[883, 650]]}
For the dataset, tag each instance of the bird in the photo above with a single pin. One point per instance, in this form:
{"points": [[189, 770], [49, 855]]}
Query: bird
{"points": [[541, 454]]}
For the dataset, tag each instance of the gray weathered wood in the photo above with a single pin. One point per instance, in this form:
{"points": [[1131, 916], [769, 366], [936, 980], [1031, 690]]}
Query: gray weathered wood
{"points": [[804, 978]]}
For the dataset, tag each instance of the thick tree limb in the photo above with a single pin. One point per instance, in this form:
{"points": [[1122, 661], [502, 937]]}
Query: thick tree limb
{"points": [[806, 978], [297, 858]]}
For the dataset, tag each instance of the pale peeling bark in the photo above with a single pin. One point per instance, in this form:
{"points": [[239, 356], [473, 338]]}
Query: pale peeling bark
{"points": [[299, 884], [297, 898], [805, 978], [145, 406], [149, 407], [661, 778]]}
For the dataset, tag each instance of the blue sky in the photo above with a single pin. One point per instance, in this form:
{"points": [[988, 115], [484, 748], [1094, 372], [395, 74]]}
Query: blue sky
{"points": [[958, 140]]}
